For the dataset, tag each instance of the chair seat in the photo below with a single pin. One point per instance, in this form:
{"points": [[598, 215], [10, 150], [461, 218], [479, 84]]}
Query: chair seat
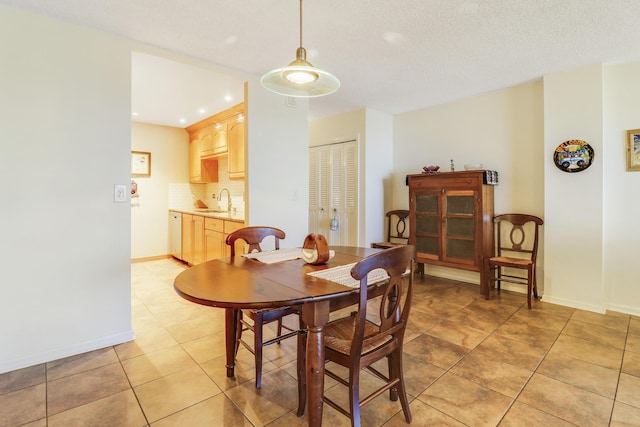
{"points": [[509, 261], [339, 333]]}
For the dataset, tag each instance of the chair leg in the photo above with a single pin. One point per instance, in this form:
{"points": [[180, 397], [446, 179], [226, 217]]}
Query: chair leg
{"points": [[238, 332], [354, 397], [529, 286], [402, 391], [279, 328], [257, 349]]}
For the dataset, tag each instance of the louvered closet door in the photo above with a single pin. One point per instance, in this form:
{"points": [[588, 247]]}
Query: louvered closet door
{"points": [[333, 192]]}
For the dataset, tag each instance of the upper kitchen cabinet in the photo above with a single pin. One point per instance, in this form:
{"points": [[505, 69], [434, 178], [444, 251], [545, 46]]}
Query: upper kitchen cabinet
{"points": [[235, 146], [218, 138]]}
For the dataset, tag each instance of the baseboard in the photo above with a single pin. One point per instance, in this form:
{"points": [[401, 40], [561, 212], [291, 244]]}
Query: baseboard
{"points": [[150, 258], [60, 353]]}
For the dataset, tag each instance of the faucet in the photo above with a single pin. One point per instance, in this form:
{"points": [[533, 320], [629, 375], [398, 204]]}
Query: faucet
{"points": [[228, 197]]}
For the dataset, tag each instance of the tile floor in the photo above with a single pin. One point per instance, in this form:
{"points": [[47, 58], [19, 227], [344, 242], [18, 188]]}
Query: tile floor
{"points": [[467, 362]]}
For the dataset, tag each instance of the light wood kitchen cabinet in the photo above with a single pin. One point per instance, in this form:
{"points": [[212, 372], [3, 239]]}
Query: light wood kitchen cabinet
{"points": [[201, 170], [235, 146], [192, 239], [214, 239], [209, 145], [230, 227], [451, 219], [213, 139]]}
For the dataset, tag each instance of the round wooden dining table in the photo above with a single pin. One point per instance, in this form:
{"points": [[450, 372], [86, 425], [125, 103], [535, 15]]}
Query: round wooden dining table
{"points": [[239, 282]]}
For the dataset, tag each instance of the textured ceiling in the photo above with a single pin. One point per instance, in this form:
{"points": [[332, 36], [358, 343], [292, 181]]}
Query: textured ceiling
{"points": [[390, 55]]}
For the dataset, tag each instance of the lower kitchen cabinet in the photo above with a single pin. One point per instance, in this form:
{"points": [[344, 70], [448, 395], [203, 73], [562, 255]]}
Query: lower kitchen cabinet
{"points": [[192, 239], [214, 239]]}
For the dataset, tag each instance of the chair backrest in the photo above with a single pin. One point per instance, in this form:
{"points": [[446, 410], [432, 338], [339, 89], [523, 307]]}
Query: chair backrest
{"points": [[517, 233], [254, 236], [396, 300], [397, 225]]}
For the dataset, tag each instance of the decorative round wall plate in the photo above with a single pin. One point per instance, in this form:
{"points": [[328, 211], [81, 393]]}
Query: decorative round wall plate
{"points": [[573, 156]]}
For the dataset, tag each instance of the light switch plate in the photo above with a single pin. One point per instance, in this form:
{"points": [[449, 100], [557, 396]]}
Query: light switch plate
{"points": [[120, 193]]}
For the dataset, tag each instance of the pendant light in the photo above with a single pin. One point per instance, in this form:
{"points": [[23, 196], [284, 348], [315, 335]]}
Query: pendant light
{"points": [[300, 78]]}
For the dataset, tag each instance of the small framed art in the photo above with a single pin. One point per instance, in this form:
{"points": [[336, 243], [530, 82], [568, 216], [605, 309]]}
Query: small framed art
{"points": [[633, 150], [140, 163]]}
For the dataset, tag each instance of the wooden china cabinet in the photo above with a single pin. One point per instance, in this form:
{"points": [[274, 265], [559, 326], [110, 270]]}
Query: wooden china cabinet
{"points": [[451, 218]]}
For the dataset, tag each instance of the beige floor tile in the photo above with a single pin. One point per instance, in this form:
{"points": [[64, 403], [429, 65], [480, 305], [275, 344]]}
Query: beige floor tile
{"points": [[624, 415], [22, 378], [437, 308], [79, 389], [330, 418], [517, 352], [598, 354], [419, 322], [172, 393], [277, 397], [599, 334], [147, 341], [629, 390], [466, 401], [459, 332], [42, 422], [194, 328], [423, 415], [533, 335], [521, 415], [585, 375], [152, 366], [567, 402], [633, 343], [496, 374], [120, 409], [478, 319], [215, 411], [23, 406], [540, 319], [435, 351], [612, 320], [631, 363], [418, 374], [244, 370], [80, 363], [205, 348]]}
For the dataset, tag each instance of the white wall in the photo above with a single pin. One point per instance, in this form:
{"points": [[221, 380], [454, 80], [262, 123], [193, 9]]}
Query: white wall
{"points": [[573, 109], [621, 202], [277, 180], [503, 130], [65, 141], [169, 148], [66, 132]]}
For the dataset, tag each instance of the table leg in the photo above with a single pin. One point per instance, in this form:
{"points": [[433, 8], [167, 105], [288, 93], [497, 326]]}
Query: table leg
{"points": [[315, 316], [230, 328]]}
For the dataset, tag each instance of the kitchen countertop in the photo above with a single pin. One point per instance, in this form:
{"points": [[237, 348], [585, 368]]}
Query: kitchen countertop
{"points": [[227, 216]]}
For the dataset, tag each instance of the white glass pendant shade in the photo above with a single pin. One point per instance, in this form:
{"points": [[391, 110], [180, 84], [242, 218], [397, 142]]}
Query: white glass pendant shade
{"points": [[300, 78]]}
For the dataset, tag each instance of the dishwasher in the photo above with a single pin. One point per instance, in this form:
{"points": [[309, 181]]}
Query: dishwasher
{"points": [[175, 234]]}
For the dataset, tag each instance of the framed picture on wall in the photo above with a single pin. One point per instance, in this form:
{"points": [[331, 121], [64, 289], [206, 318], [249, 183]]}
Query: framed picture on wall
{"points": [[633, 150], [140, 163]]}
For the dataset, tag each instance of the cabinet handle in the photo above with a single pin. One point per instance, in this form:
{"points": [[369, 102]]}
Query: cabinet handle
{"points": [[443, 190], [468, 181]]}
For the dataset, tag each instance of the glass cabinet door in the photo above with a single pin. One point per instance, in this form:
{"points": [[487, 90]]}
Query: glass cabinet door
{"points": [[460, 225], [428, 225]]}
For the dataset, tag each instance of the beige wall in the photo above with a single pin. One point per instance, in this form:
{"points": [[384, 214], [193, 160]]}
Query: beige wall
{"points": [[503, 130], [169, 164]]}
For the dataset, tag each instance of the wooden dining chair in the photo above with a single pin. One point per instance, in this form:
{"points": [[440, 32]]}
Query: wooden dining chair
{"points": [[397, 231], [356, 342], [254, 236], [517, 249]]}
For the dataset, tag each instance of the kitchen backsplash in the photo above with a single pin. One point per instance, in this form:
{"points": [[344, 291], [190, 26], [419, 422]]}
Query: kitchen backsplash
{"points": [[181, 194]]}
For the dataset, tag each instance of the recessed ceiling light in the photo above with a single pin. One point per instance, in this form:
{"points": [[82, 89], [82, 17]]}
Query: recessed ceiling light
{"points": [[183, 120], [227, 98], [134, 114], [202, 111], [393, 38]]}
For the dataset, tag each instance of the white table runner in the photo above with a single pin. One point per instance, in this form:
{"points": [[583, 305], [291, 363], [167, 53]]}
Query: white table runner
{"points": [[342, 275], [273, 256]]}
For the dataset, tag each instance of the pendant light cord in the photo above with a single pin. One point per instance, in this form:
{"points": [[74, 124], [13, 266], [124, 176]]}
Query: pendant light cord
{"points": [[300, 23]]}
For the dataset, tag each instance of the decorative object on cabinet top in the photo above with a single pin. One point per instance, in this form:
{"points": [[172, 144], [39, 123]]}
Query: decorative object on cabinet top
{"points": [[430, 169], [489, 177], [574, 155]]}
